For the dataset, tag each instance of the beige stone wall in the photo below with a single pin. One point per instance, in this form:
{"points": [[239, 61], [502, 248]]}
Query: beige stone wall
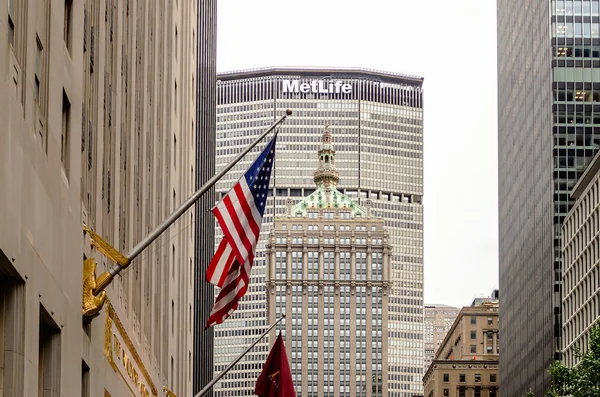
{"points": [[466, 375], [94, 131], [468, 356]]}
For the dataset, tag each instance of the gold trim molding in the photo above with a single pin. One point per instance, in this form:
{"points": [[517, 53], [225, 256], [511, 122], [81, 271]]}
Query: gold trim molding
{"points": [[124, 358]]}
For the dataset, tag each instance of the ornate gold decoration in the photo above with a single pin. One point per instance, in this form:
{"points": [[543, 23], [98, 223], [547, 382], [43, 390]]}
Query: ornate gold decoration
{"points": [[111, 317], [107, 339], [107, 249], [168, 392], [93, 294], [92, 304]]}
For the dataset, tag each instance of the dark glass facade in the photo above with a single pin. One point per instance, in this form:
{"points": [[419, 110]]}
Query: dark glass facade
{"points": [[206, 108], [548, 60], [525, 196]]}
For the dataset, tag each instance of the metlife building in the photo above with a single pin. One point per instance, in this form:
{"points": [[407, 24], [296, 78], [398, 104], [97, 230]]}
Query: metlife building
{"points": [[376, 122]]}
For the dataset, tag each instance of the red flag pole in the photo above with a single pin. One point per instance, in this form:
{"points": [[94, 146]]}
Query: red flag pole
{"points": [[234, 362]]}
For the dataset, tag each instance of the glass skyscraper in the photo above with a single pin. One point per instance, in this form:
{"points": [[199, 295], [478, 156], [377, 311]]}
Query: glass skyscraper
{"points": [[548, 110], [377, 121]]}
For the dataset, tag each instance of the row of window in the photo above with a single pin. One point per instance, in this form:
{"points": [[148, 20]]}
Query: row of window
{"points": [[576, 29], [477, 392], [462, 378]]}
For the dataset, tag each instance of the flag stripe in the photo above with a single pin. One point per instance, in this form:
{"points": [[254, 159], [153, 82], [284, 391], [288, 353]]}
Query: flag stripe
{"points": [[228, 228], [252, 219], [236, 213], [220, 264], [229, 297]]}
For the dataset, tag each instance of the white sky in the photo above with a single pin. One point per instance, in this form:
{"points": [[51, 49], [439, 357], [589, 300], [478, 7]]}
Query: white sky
{"points": [[452, 44]]}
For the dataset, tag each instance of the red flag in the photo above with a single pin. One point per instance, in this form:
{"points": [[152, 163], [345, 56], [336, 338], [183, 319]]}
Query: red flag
{"points": [[275, 379]]}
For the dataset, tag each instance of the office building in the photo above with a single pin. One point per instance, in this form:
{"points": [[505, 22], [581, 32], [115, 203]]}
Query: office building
{"points": [[466, 363], [97, 107], [547, 132], [437, 321], [206, 119], [377, 121], [328, 270], [581, 264]]}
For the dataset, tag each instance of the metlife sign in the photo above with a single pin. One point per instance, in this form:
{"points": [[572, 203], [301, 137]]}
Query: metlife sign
{"points": [[316, 87]]}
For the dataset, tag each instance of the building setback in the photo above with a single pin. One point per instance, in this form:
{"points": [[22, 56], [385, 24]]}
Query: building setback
{"points": [[548, 94], [97, 105], [466, 364], [581, 264], [377, 121], [328, 269]]}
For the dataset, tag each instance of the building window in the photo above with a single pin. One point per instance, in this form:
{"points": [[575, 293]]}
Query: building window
{"points": [[473, 334], [85, 379], [446, 392], [493, 392], [11, 22], [462, 392], [490, 321], [446, 377], [67, 23], [477, 378], [172, 317], [473, 348], [477, 392], [64, 136], [38, 68], [490, 335], [473, 320], [492, 378], [48, 354], [462, 378]]}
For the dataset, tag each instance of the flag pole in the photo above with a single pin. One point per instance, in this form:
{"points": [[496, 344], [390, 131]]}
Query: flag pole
{"points": [[234, 362], [105, 278]]}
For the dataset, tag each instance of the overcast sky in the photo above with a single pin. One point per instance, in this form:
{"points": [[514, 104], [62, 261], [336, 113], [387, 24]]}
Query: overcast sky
{"points": [[452, 44]]}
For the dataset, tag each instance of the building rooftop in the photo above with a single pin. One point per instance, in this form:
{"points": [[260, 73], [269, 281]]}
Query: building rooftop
{"points": [[336, 72], [587, 176]]}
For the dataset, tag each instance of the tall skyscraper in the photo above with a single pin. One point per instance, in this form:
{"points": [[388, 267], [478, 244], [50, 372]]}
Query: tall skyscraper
{"points": [[206, 118], [97, 108], [377, 119], [328, 270], [438, 320], [547, 132]]}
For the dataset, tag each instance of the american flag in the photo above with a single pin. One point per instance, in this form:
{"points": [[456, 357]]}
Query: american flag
{"points": [[240, 216]]}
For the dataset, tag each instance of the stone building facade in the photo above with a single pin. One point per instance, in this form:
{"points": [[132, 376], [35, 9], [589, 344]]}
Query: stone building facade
{"points": [[581, 264], [466, 363], [98, 109], [328, 270]]}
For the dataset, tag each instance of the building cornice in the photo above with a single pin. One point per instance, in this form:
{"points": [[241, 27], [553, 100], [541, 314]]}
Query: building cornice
{"points": [[458, 364], [335, 72]]}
